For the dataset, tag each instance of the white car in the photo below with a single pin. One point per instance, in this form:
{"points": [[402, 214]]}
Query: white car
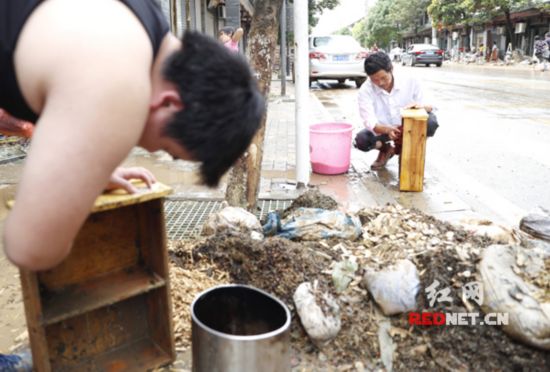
{"points": [[336, 57]]}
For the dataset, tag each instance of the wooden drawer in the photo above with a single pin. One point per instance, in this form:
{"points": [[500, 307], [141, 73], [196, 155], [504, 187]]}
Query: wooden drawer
{"points": [[106, 307]]}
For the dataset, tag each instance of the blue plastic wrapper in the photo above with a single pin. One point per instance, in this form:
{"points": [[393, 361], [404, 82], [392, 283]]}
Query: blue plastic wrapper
{"points": [[313, 224], [21, 362]]}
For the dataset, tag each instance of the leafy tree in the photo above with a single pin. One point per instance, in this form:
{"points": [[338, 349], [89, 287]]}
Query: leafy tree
{"points": [[359, 31], [316, 8], [380, 28], [452, 12], [343, 31], [406, 14]]}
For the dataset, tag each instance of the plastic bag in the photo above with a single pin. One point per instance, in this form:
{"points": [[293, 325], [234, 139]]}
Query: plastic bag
{"points": [[394, 288], [506, 292], [318, 312], [343, 273], [489, 229], [537, 224], [233, 220], [313, 224]]}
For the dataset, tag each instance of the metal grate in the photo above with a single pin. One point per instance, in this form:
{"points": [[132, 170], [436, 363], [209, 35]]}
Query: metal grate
{"points": [[269, 205], [184, 218], [10, 152]]}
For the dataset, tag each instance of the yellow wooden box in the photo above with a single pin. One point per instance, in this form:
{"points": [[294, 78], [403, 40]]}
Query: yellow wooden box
{"points": [[107, 306], [413, 151]]}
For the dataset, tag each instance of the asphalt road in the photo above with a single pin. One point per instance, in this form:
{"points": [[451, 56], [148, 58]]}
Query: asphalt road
{"points": [[493, 145]]}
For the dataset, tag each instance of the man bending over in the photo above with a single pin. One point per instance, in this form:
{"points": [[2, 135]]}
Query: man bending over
{"points": [[98, 77]]}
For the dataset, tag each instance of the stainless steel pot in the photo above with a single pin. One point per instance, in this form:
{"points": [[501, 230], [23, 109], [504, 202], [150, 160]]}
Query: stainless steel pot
{"points": [[239, 328]]}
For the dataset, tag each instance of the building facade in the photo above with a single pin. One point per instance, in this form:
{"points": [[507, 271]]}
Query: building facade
{"points": [[526, 24], [208, 16]]}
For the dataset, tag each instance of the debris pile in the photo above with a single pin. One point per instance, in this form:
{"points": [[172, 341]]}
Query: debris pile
{"points": [[345, 288]]}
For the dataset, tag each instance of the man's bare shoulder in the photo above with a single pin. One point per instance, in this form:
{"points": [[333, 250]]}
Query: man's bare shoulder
{"points": [[85, 69], [64, 39]]}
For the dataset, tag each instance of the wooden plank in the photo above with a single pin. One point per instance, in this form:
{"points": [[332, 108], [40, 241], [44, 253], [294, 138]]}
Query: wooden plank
{"points": [[76, 343], [120, 198], [152, 236], [155, 255], [412, 159], [33, 315], [103, 291], [106, 243], [142, 355], [159, 316]]}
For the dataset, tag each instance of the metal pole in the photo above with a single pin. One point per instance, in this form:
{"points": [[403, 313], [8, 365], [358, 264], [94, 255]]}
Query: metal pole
{"points": [[302, 92], [283, 49]]}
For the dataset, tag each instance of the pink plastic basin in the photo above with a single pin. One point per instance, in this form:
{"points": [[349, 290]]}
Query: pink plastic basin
{"points": [[330, 147]]}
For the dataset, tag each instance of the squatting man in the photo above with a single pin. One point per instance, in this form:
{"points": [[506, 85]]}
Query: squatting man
{"points": [[381, 99], [98, 77]]}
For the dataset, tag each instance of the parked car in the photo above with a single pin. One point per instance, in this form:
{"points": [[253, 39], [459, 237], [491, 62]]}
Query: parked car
{"points": [[425, 54], [336, 57]]}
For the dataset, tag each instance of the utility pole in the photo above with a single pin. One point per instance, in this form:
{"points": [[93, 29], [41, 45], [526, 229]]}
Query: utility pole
{"points": [[302, 92], [283, 49]]}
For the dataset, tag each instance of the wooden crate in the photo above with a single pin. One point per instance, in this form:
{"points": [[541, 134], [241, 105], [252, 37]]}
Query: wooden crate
{"points": [[413, 152], [107, 306]]}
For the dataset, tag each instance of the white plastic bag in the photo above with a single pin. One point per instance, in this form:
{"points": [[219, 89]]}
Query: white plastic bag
{"points": [[394, 288], [233, 220], [319, 313], [507, 292]]}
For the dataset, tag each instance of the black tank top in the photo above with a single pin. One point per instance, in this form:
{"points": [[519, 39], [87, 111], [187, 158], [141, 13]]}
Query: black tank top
{"points": [[13, 15]]}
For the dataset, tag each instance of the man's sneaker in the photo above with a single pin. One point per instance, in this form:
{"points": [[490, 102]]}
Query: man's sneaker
{"points": [[385, 154]]}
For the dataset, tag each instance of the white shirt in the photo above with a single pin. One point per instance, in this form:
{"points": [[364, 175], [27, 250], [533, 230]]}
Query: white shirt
{"points": [[376, 106]]}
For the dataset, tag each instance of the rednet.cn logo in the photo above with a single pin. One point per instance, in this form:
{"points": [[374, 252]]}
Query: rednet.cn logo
{"points": [[470, 291]]}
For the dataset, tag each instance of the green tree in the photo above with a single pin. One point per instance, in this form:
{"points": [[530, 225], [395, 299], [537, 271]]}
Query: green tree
{"points": [[316, 8], [380, 28], [449, 13], [406, 14], [359, 31], [343, 31]]}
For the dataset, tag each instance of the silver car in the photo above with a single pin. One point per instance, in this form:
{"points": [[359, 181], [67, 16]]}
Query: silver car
{"points": [[422, 54], [336, 57]]}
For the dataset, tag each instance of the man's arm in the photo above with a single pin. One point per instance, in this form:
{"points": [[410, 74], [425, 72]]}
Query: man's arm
{"points": [[93, 104], [237, 35], [368, 114]]}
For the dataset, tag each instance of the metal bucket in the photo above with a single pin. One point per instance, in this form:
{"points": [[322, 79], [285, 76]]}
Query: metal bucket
{"points": [[239, 328]]}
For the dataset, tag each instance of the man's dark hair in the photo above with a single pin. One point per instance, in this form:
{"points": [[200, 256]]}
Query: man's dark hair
{"points": [[377, 61], [222, 105]]}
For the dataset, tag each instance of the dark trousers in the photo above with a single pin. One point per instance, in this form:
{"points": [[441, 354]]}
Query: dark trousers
{"points": [[366, 139]]}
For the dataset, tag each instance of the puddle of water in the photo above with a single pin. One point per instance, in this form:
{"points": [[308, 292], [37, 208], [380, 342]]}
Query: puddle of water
{"points": [[182, 176], [10, 173]]}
